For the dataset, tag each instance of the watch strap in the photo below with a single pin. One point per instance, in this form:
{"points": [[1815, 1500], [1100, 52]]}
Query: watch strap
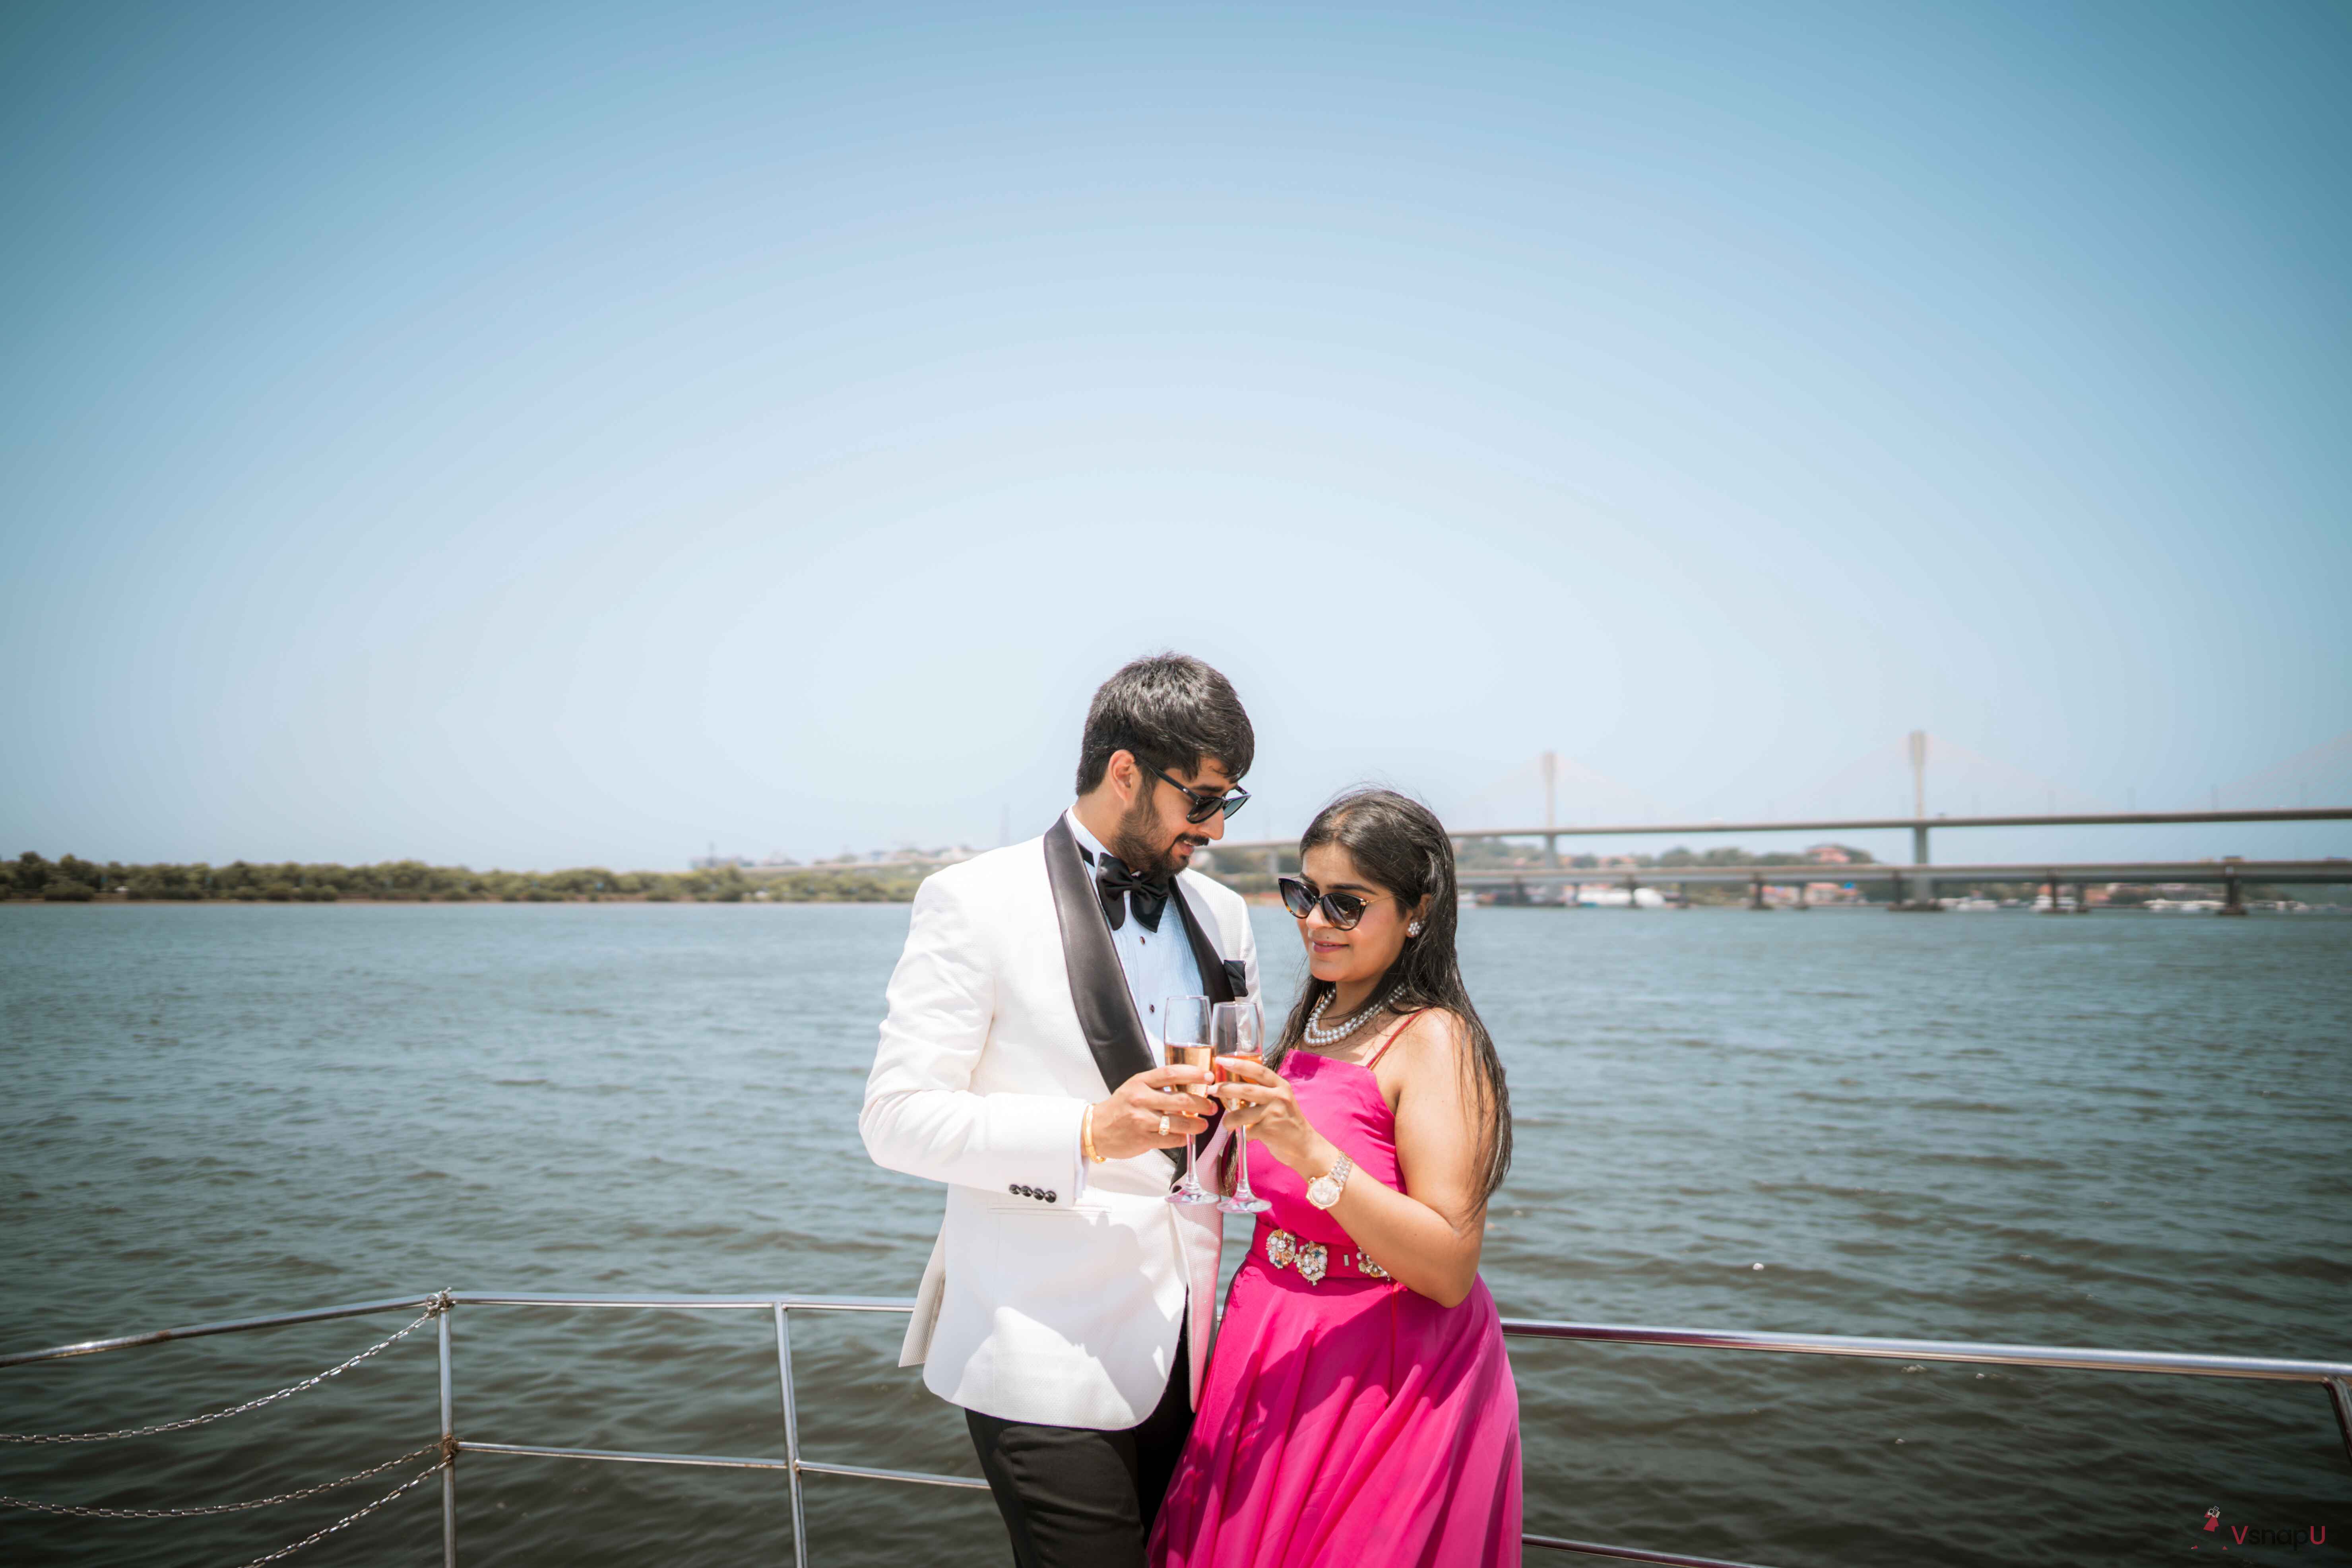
{"points": [[1324, 1190]]}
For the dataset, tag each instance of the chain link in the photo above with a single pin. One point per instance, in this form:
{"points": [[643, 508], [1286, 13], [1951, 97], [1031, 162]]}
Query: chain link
{"points": [[353, 1517], [84, 1512], [440, 1305]]}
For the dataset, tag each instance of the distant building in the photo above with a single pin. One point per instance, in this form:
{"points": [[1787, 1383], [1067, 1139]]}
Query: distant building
{"points": [[1785, 895], [1836, 854]]}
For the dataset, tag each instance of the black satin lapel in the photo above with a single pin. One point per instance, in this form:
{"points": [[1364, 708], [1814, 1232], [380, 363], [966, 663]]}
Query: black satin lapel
{"points": [[1114, 1034], [1214, 982]]}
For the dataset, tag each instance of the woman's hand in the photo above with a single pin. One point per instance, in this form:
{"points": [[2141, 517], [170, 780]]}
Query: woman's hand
{"points": [[1259, 1100]]}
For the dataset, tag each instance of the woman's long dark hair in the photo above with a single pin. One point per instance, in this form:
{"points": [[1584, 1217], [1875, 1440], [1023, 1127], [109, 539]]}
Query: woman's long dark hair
{"points": [[1399, 844]]}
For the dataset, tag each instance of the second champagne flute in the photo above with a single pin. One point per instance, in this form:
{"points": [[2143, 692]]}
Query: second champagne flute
{"points": [[1184, 1043], [1239, 1030]]}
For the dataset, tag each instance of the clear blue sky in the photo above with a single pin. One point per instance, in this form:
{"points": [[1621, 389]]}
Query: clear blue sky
{"points": [[538, 435]]}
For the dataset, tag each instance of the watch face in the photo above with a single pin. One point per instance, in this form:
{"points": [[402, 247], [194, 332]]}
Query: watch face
{"points": [[1324, 1190]]}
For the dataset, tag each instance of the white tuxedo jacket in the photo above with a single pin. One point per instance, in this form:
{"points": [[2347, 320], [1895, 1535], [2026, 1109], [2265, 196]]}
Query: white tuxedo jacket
{"points": [[1008, 1017]]}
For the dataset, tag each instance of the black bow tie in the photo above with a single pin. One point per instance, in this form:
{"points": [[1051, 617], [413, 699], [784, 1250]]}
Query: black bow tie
{"points": [[1121, 889]]}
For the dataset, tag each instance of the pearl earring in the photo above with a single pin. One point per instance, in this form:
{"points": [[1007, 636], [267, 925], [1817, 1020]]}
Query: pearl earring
{"points": [[1412, 927]]}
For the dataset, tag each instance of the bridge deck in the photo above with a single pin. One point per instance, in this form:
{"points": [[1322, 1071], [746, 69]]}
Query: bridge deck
{"points": [[2210, 872]]}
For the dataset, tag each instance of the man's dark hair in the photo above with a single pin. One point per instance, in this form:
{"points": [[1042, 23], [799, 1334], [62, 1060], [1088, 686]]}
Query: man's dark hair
{"points": [[1173, 712]]}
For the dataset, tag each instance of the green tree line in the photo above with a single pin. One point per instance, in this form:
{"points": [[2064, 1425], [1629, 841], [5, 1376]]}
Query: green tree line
{"points": [[1247, 872], [1487, 854], [72, 880]]}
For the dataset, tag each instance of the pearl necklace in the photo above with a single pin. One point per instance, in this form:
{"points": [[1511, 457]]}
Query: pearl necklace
{"points": [[1316, 1035]]}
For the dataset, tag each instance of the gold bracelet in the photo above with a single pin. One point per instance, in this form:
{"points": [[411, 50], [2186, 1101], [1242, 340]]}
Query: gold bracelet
{"points": [[1086, 1137]]}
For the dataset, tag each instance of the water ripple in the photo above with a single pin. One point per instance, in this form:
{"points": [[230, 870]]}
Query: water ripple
{"points": [[2120, 1131]]}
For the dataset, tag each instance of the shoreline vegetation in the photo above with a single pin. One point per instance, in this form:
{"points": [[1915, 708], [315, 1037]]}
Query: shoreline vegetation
{"points": [[1247, 874], [71, 879], [29, 877]]}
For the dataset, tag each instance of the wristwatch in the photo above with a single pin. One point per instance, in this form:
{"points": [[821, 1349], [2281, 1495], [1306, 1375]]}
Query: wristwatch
{"points": [[1324, 1190]]}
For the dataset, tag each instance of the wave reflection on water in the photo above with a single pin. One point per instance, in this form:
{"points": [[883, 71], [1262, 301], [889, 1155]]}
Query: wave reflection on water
{"points": [[2121, 1130]]}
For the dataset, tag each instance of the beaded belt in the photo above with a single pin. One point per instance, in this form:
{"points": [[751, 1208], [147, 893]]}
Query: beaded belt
{"points": [[1315, 1262]]}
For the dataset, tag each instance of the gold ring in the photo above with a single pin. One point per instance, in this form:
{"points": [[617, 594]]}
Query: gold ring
{"points": [[1163, 1124]]}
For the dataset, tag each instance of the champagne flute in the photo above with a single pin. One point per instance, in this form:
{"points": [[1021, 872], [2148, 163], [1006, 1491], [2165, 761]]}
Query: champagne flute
{"points": [[1239, 1030], [1184, 1043]]}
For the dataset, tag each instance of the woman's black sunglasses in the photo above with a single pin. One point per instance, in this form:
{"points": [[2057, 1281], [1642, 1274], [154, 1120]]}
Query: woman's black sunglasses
{"points": [[1342, 910], [1204, 805]]}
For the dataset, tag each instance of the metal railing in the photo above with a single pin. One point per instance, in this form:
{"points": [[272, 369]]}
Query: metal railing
{"points": [[2335, 1377], [792, 1464]]}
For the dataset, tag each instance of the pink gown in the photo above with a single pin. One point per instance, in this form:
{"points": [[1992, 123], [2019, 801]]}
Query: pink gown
{"points": [[1349, 1423]]}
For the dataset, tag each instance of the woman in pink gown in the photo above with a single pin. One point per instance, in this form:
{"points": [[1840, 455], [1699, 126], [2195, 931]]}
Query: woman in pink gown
{"points": [[1358, 1409]]}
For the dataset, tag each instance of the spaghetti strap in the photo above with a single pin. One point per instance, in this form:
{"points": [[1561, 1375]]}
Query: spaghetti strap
{"points": [[1381, 1049]]}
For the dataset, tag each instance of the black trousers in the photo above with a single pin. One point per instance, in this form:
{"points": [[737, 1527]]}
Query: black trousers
{"points": [[1076, 1498]]}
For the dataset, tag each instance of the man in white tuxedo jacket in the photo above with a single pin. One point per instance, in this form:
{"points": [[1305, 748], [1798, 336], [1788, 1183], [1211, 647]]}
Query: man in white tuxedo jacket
{"points": [[1068, 1306]]}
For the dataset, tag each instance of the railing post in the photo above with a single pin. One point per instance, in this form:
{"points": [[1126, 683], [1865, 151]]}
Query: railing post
{"points": [[791, 1437], [2339, 1395], [448, 1450]]}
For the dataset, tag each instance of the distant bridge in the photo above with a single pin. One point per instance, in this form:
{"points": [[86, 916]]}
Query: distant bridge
{"points": [[1914, 884], [1919, 827]]}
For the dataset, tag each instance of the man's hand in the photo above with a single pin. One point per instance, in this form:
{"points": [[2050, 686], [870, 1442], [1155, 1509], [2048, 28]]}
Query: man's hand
{"points": [[1152, 1110]]}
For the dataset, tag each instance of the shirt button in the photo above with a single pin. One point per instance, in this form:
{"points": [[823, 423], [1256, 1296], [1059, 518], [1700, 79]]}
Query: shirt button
{"points": [[1050, 1197]]}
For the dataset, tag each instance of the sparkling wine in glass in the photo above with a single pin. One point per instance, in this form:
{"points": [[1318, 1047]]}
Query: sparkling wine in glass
{"points": [[1238, 1029], [1184, 1042]]}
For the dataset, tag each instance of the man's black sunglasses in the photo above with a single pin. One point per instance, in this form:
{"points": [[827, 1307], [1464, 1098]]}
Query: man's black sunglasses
{"points": [[1342, 910], [1205, 804]]}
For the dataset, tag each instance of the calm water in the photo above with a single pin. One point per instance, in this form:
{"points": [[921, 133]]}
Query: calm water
{"points": [[2124, 1131]]}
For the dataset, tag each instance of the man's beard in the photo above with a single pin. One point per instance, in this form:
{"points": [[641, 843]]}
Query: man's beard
{"points": [[1132, 843]]}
